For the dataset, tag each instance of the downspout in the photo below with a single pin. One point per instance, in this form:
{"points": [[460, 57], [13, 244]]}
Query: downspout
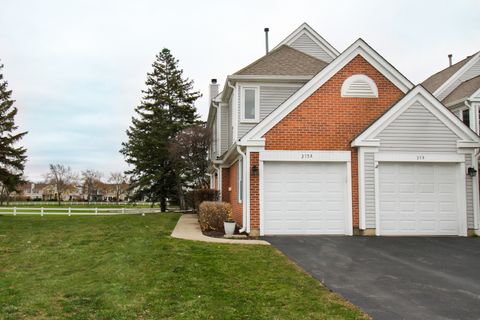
{"points": [[244, 184]]}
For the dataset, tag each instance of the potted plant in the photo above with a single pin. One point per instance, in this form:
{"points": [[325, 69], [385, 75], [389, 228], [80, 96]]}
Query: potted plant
{"points": [[229, 225]]}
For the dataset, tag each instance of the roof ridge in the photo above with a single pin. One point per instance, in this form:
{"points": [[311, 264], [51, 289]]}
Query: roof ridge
{"points": [[275, 51]]}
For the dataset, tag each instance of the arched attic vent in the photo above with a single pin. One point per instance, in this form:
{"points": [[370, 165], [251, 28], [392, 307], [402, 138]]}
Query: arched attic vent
{"points": [[359, 86]]}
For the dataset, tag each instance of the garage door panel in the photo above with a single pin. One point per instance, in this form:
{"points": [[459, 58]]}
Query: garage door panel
{"points": [[418, 198], [312, 200]]}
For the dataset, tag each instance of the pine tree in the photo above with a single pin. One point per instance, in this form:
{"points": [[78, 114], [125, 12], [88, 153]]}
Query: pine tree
{"points": [[166, 108], [12, 156]]}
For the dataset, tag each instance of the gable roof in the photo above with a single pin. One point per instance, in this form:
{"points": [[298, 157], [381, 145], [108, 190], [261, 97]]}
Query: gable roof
{"points": [[463, 91], [284, 61], [420, 94], [304, 37], [359, 47], [433, 82]]}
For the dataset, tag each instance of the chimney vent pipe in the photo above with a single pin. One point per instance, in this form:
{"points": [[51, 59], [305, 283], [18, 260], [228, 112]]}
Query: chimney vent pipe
{"points": [[450, 60], [266, 39]]}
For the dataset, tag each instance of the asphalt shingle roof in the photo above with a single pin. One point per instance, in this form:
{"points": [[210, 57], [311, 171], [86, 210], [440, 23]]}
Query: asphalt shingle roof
{"points": [[284, 61], [464, 90], [436, 80]]}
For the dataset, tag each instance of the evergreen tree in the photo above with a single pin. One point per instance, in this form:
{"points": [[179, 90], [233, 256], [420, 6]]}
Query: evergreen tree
{"points": [[166, 108], [12, 156]]}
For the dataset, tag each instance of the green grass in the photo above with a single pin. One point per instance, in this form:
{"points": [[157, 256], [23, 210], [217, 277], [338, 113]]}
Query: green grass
{"points": [[128, 267]]}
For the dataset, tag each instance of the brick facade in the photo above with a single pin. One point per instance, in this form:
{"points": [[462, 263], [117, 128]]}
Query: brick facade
{"points": [[225, 184], [327, 121], [254, 193], [233, 194]]}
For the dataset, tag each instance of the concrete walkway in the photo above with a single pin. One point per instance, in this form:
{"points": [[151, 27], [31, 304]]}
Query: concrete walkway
{"points": [[188, 228]]}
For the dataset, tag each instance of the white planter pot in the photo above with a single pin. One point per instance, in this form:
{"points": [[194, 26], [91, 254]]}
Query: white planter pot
{"points": [[229, 228]]}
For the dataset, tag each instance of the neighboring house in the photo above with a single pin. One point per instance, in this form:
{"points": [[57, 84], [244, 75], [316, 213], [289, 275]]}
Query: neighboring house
{"points": [[458, 88], [307, 140]]}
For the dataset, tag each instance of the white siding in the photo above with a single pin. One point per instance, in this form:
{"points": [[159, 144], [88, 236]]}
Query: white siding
{"points": [[469, 185], [306, 45], [224, 129], [469, 74], [230, 120], [417, 129], [271, 96], [369, 190]]}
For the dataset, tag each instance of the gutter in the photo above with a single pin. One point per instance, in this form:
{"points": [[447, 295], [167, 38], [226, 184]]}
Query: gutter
{"points": [[244, 184]]}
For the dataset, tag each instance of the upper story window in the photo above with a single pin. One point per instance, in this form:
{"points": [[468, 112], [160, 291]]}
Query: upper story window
{"points": [[249, 104], [359, 86]]}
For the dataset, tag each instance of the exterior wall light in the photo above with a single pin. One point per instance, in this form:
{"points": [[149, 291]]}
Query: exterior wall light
{"points": [[254, 170], [471, 172]]}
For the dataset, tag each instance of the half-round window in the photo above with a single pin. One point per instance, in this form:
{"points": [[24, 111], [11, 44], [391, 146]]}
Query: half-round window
{"points": [[359, 86]]}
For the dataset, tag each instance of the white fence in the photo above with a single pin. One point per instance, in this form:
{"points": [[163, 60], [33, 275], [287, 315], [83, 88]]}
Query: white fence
{"points": [[76, 203], [75, 211]]}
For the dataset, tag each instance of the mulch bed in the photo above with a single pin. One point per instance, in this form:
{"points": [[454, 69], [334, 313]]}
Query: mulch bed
{"points": [[221, 234]]}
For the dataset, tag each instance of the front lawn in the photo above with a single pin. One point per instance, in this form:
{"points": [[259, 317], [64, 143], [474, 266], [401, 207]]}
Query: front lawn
{"points": [[128, 267]]}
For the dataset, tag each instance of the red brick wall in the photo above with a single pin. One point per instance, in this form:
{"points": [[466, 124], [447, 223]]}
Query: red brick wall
{"points": [[326, 121], [254, 196], [237, 207], [225, 184]]}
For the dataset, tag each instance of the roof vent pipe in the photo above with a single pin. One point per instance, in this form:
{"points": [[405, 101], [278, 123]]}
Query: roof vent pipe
{"points": [[450, 60], [266, 39]]}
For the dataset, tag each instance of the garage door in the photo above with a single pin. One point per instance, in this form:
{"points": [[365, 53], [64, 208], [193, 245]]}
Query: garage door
{"points": [[305, 198], [418, 199]]}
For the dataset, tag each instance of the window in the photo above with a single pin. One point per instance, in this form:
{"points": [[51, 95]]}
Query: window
{"points": [[240, 180], [249, 104], [466, 117]]}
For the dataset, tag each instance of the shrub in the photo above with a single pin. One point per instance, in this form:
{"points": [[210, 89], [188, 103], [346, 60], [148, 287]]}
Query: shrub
{"points": [[212, 215]]}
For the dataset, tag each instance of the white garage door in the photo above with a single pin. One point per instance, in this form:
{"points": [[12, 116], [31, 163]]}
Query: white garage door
{"points": [[305, 198], [418, 199]]}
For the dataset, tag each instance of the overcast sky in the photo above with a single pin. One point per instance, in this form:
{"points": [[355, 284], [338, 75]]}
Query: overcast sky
{"points": [[76, 68]]}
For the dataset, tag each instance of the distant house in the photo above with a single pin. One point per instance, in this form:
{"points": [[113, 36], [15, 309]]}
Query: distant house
{"points": [[310, 140]]}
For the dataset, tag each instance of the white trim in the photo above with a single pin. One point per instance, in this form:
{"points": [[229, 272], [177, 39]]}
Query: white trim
{"points": [[418, 94], [377, 198], [317, 156], [246, 196], [261, 174], [240, 182], [256, 90], [475, 191], [347, 91], [305, 156], [442, 158], [444, 88], [462, 198], [362, 225], [312, 34], [359, 47], [361, 190], [419, 157]]}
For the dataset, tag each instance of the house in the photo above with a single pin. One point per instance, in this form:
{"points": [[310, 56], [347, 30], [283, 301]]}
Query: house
{"points": [[458, 88], [308, 140]]}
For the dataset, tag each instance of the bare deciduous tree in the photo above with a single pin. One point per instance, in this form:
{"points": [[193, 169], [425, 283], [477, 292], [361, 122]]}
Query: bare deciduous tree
{"points": [[188, 153], [119, 181], [62, 178], [91, 182]]}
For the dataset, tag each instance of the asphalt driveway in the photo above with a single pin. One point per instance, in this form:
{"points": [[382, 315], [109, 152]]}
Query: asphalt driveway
{"points": [[394, 278]]}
